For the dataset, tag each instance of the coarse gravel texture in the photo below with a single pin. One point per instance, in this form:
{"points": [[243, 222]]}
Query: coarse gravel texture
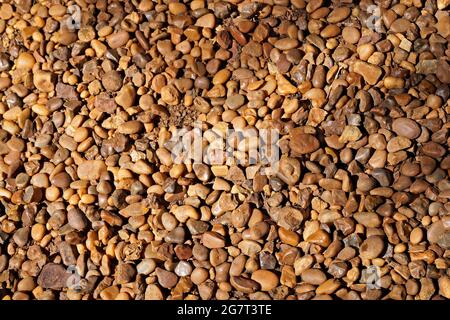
{"points": [[94, 206]]}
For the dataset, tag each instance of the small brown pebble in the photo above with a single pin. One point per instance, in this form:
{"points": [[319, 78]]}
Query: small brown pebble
{"points": [[91, 170], [153, 292], [416, 235], [351, 34], [369, 72], [21, 236], [244, 285], [25, 61], [118, 39], [53, 276], [328, 287], [199, 275], [125, 273], [206, 21], [313, 276], [146, 266], [130, 127], [201, 150], [134, 210], [213, 240], [287, 217], [43, 81], [166, 278], [444, 286], [433, 149], [286, 44], [112, 80], [267, 279], [302, 143], [338, 14], [61, 180], [400, 25], [76, 219], [126, 96], [438, 232], [372, 247], [368, 219], [406, 128]]}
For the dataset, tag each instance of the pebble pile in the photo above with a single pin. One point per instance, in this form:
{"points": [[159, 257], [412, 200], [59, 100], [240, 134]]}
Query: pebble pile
{"points": [[94, 206]]}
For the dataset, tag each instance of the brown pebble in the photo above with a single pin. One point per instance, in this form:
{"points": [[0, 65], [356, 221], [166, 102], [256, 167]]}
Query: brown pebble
{"points": [[101, 168], [76, 219], [91, 170], [267, 279], [213, 240], [118, 39], [313, 276], [372, 247], [53, 276], [125, 273], [369, 72], [244, 285], [166, 278], [302, 143], [406, 128]]}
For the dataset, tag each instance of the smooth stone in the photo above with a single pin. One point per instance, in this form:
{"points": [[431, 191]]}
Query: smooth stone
{"points": [[166, 278], [125, 273], [213, 240], [76, 219], [406, 128], [267, 279], [371, 73], [146, 266], [372, 247], [313, 276], [53, 276], [183, 269], [303, 143], [91, 170]]}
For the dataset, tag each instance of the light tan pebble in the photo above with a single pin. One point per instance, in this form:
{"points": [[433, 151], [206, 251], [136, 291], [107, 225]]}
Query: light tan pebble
{"points": [[416, 235], [25, 61], [213, 240]]}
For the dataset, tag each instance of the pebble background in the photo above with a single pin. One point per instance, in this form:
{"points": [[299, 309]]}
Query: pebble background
{"points": [[93, 206]]}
